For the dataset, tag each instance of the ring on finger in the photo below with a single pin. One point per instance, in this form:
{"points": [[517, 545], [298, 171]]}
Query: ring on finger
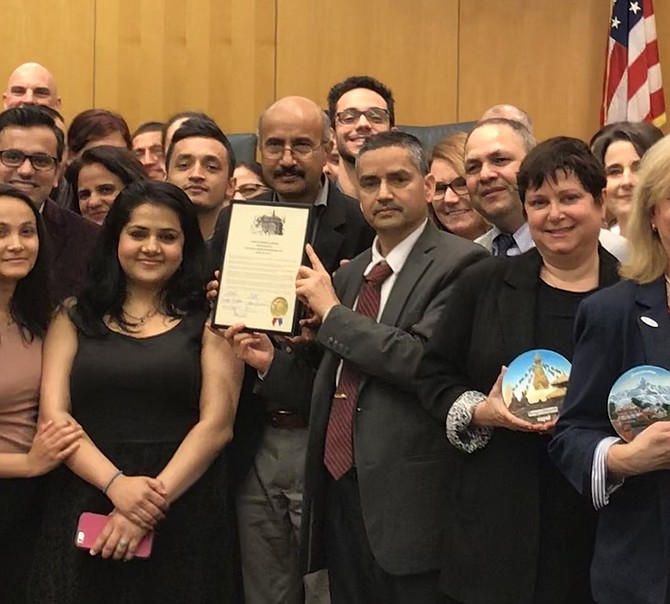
{"points": [[123, 544]]}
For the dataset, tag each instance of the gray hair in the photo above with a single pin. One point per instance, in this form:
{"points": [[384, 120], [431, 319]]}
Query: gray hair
{"points": [[509, 112], [524, 135]]}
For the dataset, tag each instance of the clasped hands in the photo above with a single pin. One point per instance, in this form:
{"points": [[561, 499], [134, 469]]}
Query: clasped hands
{"points": [[313, 287], [140, 503], [52, 444], [493, 413]]}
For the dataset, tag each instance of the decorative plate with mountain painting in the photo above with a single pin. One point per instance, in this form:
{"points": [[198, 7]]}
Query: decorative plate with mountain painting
{"points": [[640, 397]]}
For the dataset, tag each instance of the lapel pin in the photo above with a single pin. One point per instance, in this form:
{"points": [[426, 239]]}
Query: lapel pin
{"points": [[649, 321]]}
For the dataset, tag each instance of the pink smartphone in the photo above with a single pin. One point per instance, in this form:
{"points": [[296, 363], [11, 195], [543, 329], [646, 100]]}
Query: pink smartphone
{"points": [[90, 526]]}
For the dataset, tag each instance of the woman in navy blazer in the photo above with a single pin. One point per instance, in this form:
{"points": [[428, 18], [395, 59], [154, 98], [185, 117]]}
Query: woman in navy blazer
{"points": [[617, 329]]}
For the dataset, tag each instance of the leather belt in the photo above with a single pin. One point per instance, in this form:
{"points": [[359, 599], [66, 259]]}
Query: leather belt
{"points": [[286, 420]]}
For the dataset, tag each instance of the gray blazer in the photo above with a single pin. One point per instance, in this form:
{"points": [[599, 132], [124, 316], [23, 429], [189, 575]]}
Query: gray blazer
{"points": [[399, 449]]}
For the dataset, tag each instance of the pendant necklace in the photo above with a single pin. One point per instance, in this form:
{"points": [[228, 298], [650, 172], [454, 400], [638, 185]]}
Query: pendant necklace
{"points": [[141, 320]]}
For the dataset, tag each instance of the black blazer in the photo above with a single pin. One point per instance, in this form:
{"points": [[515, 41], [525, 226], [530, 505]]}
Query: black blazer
{"points": [[401, 461], [631, 564], [71, 242], [342, 234], [488, 320]]}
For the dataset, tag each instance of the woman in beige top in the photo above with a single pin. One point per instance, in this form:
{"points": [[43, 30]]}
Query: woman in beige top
{"points": [[26, 450]]}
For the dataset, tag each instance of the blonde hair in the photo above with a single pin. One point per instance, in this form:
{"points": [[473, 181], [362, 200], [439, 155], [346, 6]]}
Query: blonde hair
{"points": [[452, 150], [648, 259]]}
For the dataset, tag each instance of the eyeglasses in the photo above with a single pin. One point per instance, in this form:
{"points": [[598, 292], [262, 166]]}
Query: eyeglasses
{"points": [[457, 185], [13, 158], [374, 115], [251, 190], [302, 150]]}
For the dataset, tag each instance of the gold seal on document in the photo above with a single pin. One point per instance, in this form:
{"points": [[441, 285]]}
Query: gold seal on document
{"points": [[279, 307]]}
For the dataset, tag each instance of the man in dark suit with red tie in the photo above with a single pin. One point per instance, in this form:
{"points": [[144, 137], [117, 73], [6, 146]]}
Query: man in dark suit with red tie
{"points": [[377, 470]]}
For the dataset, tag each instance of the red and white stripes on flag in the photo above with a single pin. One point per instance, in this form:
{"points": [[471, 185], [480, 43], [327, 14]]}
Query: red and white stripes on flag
{"points": [[633, 88]]}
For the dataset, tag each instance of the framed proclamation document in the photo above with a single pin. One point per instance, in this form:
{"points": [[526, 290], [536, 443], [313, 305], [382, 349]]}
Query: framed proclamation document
{"points": [[264, 250]]}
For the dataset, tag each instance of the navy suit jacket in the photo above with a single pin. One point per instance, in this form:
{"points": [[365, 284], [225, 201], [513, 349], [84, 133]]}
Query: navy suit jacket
{"points": [[631, 564]]}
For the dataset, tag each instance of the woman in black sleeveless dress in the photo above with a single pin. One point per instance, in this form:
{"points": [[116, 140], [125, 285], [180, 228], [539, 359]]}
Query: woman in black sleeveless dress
{"points": [[155, 392]]}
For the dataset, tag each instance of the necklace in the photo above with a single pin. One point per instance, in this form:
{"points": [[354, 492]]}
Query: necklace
{"points": [[142, 319]]}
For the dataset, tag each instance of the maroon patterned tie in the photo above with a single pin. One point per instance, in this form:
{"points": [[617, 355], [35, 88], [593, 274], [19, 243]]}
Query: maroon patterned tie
{"points": [[338, 455]]}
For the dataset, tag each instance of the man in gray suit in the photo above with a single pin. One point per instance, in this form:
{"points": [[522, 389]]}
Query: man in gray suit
{"points": [[377, 469]]}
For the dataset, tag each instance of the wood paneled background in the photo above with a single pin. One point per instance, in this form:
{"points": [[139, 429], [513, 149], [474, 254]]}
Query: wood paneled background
{"points": [[446, 60]]}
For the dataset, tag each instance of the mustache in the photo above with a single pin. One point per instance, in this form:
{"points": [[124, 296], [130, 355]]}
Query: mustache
{"points": [[379, 207], [292, 171]]}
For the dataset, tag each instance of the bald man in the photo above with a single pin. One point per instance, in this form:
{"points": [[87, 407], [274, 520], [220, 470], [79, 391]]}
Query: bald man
{"points": [[272, 419], [294, 139], [509, 112], [31, 84]]}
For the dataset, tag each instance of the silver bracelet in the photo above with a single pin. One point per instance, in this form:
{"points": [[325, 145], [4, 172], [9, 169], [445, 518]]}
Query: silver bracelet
{"points": [[111, 480]]}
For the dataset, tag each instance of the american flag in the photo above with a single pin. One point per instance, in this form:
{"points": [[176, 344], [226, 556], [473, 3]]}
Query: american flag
{"points": [[633, 84]]}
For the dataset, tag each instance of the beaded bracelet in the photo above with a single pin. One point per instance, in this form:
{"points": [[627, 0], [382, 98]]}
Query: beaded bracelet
{"points": [[111, 480]]}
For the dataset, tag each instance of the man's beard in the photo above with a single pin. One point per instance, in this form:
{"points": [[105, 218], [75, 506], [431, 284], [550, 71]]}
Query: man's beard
{"points": [[345, 155]]}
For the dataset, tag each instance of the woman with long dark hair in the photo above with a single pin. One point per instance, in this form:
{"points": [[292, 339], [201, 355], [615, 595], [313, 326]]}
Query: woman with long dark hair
{"points": [[27, 450], [98, 176], [156, 394]]}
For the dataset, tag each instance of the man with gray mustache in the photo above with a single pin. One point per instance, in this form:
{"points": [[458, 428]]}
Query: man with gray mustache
{"points": [[267, 454]]}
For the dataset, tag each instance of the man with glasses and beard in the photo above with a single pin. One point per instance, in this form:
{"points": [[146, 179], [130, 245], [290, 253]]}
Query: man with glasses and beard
{"points": [[359, 107], [268, 452], [31, 149]]}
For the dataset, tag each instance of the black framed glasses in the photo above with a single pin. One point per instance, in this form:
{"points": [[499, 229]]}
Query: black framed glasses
{"points": [[13, 158], [302, 150], [457, 185], [374, 115]]}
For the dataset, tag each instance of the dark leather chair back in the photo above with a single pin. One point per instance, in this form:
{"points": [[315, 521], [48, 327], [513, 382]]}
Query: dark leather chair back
{"points": [[430, 135], [244, 146]]}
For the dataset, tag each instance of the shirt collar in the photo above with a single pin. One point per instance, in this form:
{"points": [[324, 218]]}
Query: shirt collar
{"points": [[322, 197], [521, 237], [397, 257]]}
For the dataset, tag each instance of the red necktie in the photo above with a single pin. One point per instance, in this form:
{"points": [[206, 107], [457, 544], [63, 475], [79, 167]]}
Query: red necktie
{"points": [[338, 454]]}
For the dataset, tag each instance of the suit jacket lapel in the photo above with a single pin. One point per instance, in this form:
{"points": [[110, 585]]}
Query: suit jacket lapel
{"points": [[608, 273], [652, 306], [416, 264], [517, 300], [352, 284], [329, 238], [51, 214]]}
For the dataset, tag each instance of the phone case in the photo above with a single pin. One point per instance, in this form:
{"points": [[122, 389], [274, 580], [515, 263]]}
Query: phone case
{"points": [[90, 526]]}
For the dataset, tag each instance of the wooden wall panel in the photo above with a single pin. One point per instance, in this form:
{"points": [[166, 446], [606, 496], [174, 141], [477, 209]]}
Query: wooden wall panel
{"points": [[59, 35], [531, 53], [156, 57], [662, 13], [410, 45]]}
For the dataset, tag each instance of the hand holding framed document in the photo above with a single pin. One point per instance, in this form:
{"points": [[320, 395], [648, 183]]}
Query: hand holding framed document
{"points": [[264, 249]]}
